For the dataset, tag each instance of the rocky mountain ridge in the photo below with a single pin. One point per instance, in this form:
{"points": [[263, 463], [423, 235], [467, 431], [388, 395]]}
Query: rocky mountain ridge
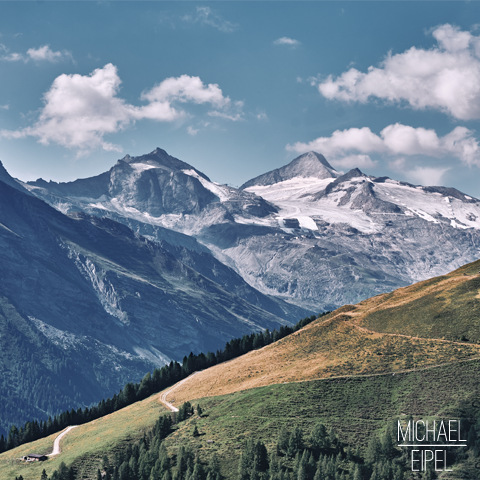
{"points": [[303, 233]]}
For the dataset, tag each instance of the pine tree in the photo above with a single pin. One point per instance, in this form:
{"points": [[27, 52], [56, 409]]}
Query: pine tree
{"points": [[302, 474], [167, 475], [387, 444], [311, 466], [214, 465], [195, 432], [295, 442], [282, 442], [274, 464], [44, 475], [181, 461], [244, 467], [319, 473], [198, 473], [357, 474], [260, 457], [397, 473], [105, 463], [318, 437], [373, 451], [199, 410]]}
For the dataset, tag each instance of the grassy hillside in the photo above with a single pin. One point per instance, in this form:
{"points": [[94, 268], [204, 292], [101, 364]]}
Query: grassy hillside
{"points": [[85, 445], [446, 307], [354, 370], [425, 324], [356, 407]]}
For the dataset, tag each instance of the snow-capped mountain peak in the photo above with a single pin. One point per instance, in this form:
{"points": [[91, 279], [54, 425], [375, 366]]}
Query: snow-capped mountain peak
{"points": [[158, 159], [308, 165], [303, 232]]}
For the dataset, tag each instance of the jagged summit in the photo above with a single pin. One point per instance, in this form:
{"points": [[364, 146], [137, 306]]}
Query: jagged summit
{"points": [[308, 165], [159, 158]]}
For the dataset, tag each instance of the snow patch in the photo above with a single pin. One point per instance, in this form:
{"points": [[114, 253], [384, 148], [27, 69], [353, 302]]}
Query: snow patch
{"points": [[140, 167], [307, 223], [221, 191], [426, 205]]}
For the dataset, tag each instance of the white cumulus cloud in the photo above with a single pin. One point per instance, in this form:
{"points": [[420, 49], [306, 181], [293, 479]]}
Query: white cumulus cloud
{"points": [[186, 89], [45, 53], [13, 57], [395, 140], [445, 77], [234, 114], [423, 175], [80, 110], [41, 54], [287, 41]]}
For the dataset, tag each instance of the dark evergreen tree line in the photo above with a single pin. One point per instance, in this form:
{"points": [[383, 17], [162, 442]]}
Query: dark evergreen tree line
{"points": [[151, 383], [318, 456]]}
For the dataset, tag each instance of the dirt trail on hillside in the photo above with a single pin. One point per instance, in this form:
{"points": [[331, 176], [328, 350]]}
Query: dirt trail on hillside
{"points": [[366, 330], [56, 444], [163, 395]]}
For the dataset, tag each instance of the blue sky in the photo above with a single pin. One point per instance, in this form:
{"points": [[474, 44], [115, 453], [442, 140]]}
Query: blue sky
{"points": [[239, 88]]}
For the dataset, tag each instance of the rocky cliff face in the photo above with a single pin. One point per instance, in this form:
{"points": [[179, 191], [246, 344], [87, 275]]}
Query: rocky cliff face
{"points": [[303, 233]]}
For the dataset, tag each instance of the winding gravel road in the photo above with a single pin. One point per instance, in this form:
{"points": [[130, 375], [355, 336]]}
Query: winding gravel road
{"points": [[163, 396], [56, 444]]}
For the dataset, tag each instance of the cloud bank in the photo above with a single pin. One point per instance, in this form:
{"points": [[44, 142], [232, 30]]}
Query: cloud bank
{"points": [[445, 77], [353, 147]]}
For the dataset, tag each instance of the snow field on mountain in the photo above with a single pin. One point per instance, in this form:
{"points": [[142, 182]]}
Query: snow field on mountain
{"points": [[428, 205], [294, 198], [221, 191]]}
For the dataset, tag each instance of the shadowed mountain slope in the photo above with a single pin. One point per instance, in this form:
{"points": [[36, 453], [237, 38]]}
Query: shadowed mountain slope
{"points": [[93, 304]]}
